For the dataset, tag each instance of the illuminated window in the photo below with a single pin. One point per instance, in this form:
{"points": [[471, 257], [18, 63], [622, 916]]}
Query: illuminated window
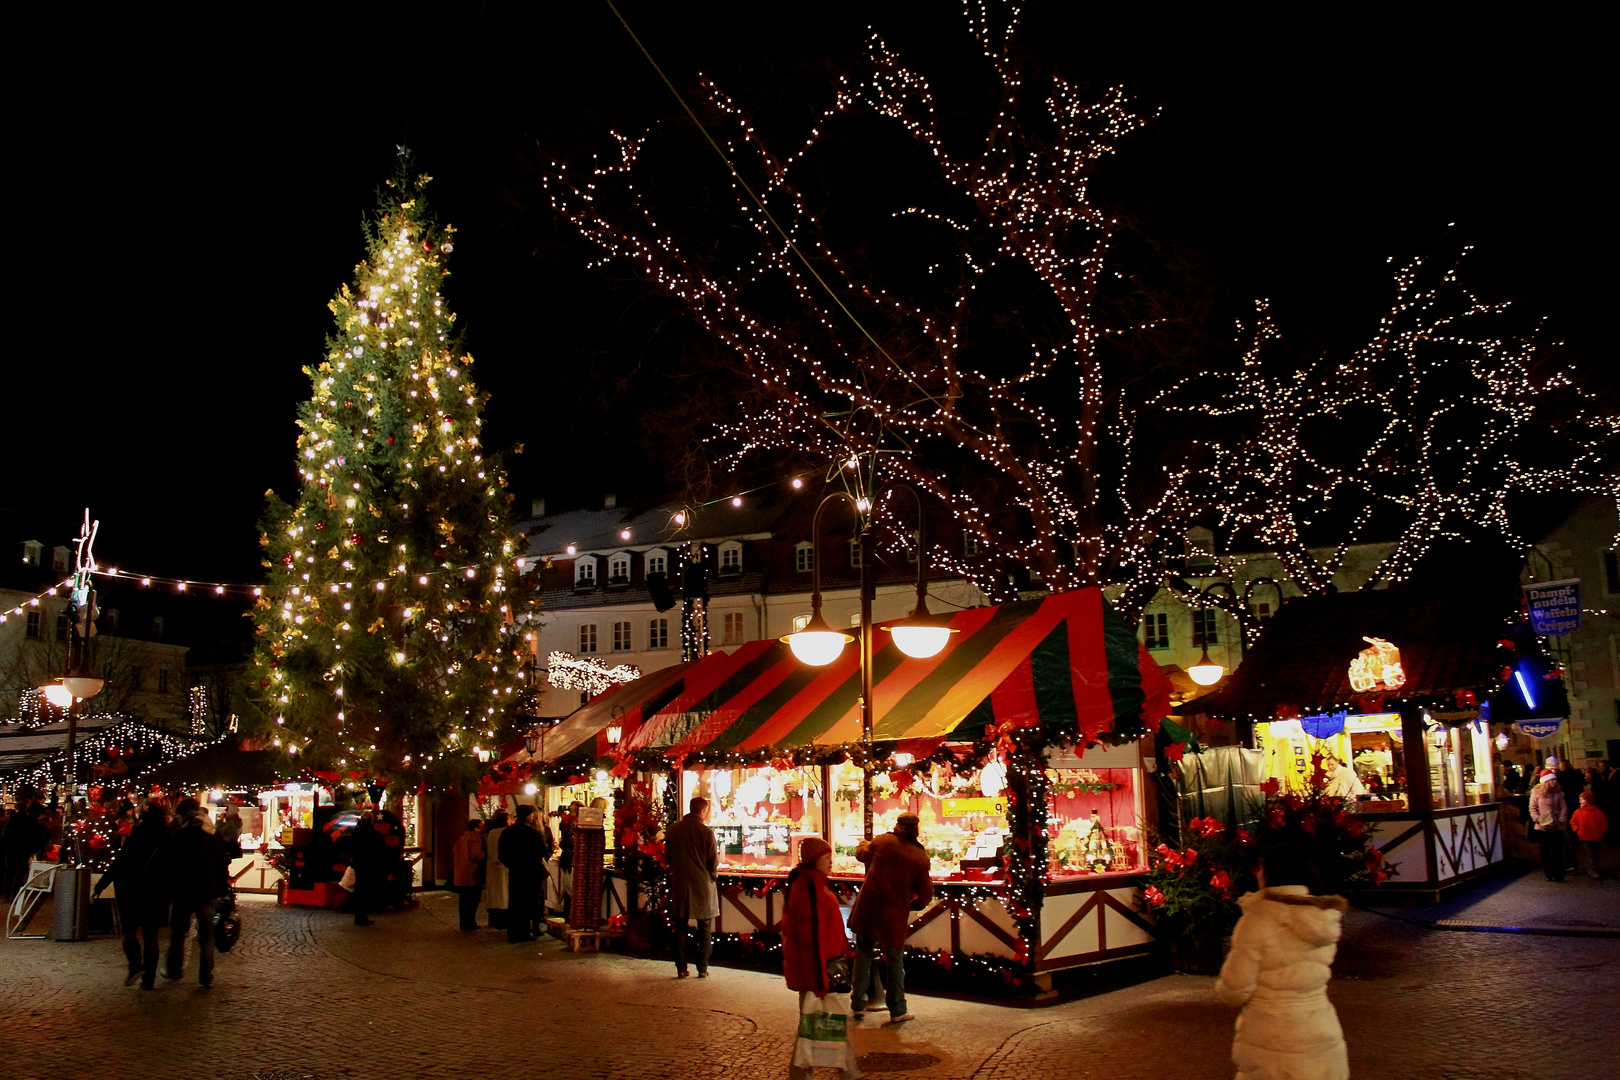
{"points": [[587, 638], [1206, 622], [804, 557], [657, 563], [621, 637], [731, 557], [31, 552], [584, 571], [619, 569], [733, 628], [1156, 630], [658, 634]]}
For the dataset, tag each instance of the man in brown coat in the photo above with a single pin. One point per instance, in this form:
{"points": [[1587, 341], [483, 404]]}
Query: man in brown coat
{"points": [[694, 859], [896, 884]]}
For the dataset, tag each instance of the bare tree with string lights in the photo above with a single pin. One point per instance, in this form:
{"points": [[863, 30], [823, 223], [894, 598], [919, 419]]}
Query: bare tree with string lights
{"points": [[1422, 434], [938, 300]]}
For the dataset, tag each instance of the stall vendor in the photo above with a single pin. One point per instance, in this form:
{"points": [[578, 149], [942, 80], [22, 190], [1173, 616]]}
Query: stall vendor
{"points": [[1342, 783]]}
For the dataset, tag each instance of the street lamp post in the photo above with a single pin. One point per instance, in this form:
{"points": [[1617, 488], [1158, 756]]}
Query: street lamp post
{"points": [[818, 644]]}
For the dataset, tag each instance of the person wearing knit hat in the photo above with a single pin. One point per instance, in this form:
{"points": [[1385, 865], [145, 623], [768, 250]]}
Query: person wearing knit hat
{"points": [[811, 851], [812, 937], [1550, 813]]}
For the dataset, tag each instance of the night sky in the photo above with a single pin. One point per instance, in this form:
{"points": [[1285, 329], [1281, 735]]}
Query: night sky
{"points": [[189, 197]]}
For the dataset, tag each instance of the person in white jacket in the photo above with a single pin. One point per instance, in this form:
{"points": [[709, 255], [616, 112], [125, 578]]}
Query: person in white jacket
{"points": [[1278, 970]]}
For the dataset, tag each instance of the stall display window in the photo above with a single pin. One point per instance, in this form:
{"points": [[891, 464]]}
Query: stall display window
{"points": [[962, 817], [1369, 743], [758, 815], [1092, 822]]}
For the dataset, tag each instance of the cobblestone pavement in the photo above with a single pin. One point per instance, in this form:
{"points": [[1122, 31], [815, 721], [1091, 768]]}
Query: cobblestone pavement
{"points": [[308, 995]]}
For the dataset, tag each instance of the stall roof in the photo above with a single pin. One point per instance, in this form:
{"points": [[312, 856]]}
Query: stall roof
{"points": [[1447, 643], [627, 704], [1066, 658], [25, 747], [221, 764]]}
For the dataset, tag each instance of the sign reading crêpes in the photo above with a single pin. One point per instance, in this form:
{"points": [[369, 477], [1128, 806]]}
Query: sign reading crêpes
{"points": [[1377, 667]]}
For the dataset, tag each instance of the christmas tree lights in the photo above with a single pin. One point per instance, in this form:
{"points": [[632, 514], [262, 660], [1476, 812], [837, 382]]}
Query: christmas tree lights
{"points": [[387, 636]]}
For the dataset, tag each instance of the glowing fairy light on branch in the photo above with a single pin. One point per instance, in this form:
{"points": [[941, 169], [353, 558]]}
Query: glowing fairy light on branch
{"points": [[590, 674]]}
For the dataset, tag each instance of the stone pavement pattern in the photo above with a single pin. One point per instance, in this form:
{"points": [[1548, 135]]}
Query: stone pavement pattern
{"points": [[308, 995]]}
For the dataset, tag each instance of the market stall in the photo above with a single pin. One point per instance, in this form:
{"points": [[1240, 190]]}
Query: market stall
{"points": [[1019, 747], [1390, 683]]}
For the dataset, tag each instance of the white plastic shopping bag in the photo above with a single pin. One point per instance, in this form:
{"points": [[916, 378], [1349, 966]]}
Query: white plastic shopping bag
{"points": [[824, 1034]]}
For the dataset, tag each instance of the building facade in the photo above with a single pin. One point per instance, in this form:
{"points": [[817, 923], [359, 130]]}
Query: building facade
{"points": [[611, 581], [134, 646], [1584, 547]]}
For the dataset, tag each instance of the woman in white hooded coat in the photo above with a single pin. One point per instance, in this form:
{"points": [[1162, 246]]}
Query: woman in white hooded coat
{"points": [[1278, 970]]}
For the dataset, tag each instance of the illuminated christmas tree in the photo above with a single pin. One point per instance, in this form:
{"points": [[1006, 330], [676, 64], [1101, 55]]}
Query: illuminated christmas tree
{"points": [[386, 637]]}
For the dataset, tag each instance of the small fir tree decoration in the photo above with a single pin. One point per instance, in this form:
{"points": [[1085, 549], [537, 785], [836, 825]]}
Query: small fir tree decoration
{"points": [[386, 640], [1099, 850]]}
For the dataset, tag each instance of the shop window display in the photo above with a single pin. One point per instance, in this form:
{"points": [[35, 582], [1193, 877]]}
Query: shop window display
{"points": [[1093, 821], [758, 815]]}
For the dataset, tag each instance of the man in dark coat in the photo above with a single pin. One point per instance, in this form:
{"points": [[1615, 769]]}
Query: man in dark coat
{"points": [[522, 852], [896, 884], [140, 870], [694, 860], [23, 839], [198, 875]]}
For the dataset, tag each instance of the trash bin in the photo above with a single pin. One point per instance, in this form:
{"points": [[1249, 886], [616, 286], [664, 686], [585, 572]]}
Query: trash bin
{"points": [[70, 903]]}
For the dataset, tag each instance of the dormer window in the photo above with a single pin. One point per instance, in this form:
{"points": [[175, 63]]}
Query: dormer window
{"points": [[657, 563], [804, 557], [619, 568], [157, 626], [1200, 548], [33, 551], [731, 557], [584, 572], [970, 547], [109, 621], [61, 560]]}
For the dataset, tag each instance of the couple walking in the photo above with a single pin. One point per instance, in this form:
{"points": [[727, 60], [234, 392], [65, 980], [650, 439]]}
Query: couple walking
{"points": [[168, 876]]}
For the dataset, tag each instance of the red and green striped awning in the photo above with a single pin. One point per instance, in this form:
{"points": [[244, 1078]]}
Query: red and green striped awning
{"points": [[1065, 659]]}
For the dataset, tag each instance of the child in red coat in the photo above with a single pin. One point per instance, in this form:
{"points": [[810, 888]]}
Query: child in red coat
{"points": [[812, 934], [1589, 824]]}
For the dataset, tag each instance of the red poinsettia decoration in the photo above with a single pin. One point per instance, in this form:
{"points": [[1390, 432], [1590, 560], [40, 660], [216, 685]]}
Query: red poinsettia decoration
{"points": [[1153, 896], [1221, 882]]}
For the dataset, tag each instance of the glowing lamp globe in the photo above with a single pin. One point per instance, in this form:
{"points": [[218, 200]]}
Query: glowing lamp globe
{"points": [[1206, 672], [817, 644], [82, 686], [58, 695], [920, 642], [531, 789]]}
